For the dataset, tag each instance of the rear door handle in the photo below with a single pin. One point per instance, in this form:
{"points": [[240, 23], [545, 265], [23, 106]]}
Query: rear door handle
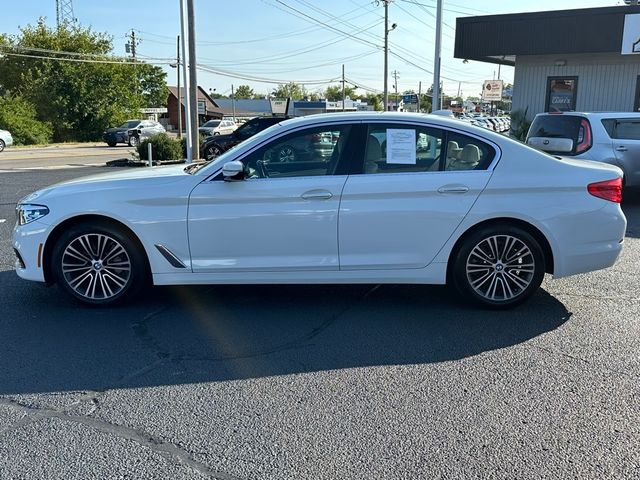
{"points": [[453, 189], [621, 149], [317, 195]]}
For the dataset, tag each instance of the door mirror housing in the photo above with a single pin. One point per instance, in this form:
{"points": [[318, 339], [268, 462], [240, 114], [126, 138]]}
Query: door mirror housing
{"points": [[233, 171]]}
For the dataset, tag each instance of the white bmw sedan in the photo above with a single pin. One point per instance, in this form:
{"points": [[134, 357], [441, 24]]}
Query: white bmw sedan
{"points": [[368, 198]]}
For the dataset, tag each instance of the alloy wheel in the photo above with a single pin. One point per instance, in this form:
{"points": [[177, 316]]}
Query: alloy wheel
{"points": [[499, 268], [96, 266]]}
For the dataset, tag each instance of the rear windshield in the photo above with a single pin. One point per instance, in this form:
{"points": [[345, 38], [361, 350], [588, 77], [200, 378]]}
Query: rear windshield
{"points": [[557, 126]]}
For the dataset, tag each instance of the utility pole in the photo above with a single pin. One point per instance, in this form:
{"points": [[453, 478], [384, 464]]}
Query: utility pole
{"points": [[419, 95], [185, 73], [193, 81], [436, 59], [64, 12], [396, 74], [343, 89], [386, 50], [132, 44], [179, 92], [233, 103]]}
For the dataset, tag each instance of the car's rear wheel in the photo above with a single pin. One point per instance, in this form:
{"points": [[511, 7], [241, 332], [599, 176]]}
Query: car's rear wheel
{"points": [[498, 266], [212, 151], [98, 264], [111, 144], [2, 145]]}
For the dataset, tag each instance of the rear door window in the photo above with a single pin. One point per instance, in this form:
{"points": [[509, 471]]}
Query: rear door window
{"points": [[627, 129]]}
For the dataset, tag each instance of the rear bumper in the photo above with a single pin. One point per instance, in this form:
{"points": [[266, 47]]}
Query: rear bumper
{"points": [[8, 140], [587, 242]]}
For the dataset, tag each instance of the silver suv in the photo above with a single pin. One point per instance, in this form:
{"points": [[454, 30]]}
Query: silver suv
{"points": [[609, 137]]}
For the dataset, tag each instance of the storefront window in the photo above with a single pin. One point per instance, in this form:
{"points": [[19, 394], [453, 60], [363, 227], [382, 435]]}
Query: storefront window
{"points": [[561, 94]]}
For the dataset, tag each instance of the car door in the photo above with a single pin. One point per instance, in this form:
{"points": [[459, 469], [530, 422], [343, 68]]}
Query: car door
{"points": [[415, 186], [626, 145], [283, 216]]}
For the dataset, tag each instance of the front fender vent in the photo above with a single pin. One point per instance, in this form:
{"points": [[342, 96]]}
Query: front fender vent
{"points": [[170, 257]]}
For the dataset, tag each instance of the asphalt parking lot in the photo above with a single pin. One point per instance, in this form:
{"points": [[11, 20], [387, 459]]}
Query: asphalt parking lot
{"points": [[349, 382]]}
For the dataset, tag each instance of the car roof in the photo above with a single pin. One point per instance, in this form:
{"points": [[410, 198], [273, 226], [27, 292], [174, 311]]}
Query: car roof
{"points": [[594, 115], [309, 120]]}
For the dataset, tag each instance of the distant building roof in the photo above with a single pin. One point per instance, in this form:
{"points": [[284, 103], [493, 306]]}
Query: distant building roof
{"points": [[245, 107], [210, 105]]}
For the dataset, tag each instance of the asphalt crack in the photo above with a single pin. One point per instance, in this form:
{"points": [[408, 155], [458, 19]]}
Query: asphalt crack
{"points": [[168, 450]]}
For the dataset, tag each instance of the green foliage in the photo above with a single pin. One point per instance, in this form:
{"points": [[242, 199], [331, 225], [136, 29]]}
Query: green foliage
{"points": [[163, 147], [79, 99], [520, 124], [290, 90], [19, 117], [243, 91], [375, 100], [333, 93]]}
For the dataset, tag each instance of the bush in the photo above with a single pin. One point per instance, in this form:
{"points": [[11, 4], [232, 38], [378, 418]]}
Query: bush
{"points": [[520, 124], [19, 117], [163, 148]]}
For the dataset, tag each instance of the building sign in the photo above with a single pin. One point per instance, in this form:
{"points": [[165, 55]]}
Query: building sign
{"points": [[410, 98], [154, 110], [492, 90], [561, 94], [631, 35], [202, 107], [279, 106]]}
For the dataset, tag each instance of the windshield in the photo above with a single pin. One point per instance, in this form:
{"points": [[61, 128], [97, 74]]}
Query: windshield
{"points": [[130, 124], [212, 123]]}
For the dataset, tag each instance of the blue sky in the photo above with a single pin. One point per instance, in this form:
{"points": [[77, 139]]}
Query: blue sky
{"points": [[267, 41]]}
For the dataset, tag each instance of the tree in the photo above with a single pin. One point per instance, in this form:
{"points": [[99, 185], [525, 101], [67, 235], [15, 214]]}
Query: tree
{"points": [[78, 99], [333, 93], [243, 91], [290, 90], [19, 117]]}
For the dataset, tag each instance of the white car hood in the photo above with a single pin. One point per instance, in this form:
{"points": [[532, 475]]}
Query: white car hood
{"points": [[131, 178]]}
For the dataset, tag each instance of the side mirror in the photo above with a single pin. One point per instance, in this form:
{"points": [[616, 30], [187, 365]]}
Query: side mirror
{"points": [[233, 171]]}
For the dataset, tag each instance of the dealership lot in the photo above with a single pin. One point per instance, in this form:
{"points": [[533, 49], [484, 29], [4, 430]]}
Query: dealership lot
{"points": [[319, 381]]}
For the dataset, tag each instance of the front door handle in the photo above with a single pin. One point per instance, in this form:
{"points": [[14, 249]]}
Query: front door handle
{"points": [[453, 189], [317, 195], [622, 148]]}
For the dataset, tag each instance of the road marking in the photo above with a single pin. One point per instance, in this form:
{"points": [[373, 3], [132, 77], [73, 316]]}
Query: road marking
{"points": [[2, 220], [52, 167]]}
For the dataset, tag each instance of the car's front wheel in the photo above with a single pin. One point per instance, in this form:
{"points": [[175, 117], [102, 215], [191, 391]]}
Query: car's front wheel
{"points": [[2, 145], [98, 264], [498, 266], [133, 141]]}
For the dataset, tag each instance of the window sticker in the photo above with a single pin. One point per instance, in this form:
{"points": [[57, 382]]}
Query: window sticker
{"points": [[401, 146]]}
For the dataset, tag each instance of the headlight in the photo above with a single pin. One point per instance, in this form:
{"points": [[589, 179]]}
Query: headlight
{"points": [[28, 213]]}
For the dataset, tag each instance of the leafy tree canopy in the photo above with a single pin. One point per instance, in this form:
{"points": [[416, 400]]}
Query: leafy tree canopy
{"points": [[333, 93], [243, 91], [78, 99], [290, 90]]}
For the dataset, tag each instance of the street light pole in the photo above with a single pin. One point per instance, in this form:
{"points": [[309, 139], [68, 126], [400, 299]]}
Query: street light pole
{"points": [[386, 54], [185, 73], [179, 92]]}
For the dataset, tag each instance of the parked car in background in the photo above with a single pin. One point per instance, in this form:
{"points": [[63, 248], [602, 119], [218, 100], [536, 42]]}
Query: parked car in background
{"points": [[214, 145], [608, 137], [6, 140], [475, 209], [132, 132], [218, 127]]}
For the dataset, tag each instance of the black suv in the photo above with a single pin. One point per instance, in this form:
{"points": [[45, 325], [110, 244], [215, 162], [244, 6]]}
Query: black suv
{"points": [[213, 146]]}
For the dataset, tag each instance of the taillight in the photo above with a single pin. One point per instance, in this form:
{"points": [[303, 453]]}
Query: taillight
{"points": [[610, 190], [585, 143]]}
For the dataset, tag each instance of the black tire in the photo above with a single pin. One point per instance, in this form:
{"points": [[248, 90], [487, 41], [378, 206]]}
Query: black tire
{"points": [[2, 145], [133, 141], [99, 278], [212, 151], [505, 279], [111, 144]]}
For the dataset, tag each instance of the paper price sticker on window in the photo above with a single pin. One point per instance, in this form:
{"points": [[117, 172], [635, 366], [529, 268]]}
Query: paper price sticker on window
{"points": [[401, 146]]}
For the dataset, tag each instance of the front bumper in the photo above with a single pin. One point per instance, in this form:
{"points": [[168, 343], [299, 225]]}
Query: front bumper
{"points": [[28, 242]]}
